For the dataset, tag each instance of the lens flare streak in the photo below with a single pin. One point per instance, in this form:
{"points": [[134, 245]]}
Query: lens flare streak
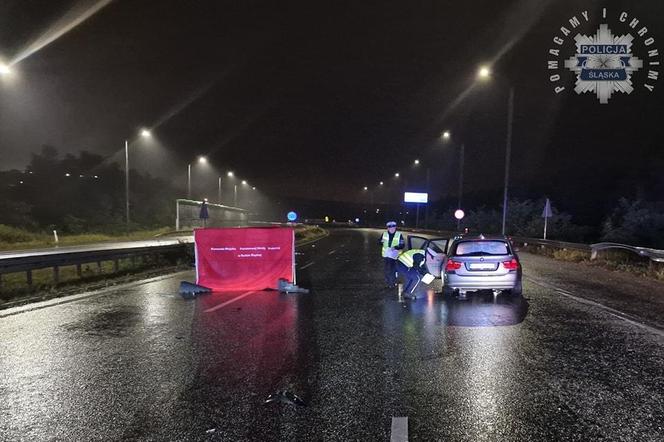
{"points": [[66, 23]]}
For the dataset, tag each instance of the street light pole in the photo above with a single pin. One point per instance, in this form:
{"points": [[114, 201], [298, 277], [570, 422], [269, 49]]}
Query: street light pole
{"points": [[189, 181], [202, 160], [127, 180], [484, 73], [446, 136], [508, 151], [219, 191], [145, 133], [461, 159], [234, 195]]}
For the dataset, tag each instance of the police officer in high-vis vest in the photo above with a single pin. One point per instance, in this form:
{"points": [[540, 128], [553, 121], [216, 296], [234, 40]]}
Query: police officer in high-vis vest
{"points": [[391, 241], [411, 267]]}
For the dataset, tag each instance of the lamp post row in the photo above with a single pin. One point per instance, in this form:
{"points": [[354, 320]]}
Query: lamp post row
{"points": [[230, 174], [146, 134], [484, 73]]}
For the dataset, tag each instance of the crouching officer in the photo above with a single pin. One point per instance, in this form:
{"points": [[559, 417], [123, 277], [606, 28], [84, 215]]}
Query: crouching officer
{"points": [[391, 242], [411, 268]]}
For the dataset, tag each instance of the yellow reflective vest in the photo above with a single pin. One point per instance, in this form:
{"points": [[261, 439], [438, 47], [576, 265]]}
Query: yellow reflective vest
{"points": [[407, 257], [396, 239]]}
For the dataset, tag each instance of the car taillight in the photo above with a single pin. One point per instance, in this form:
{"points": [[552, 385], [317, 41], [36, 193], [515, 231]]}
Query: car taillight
{"points": [[452, 265], [511, 265]]}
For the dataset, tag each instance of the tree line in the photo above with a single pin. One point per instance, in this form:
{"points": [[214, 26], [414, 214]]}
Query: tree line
{"points": [[86, 193], [633, 222], [80, 194]]}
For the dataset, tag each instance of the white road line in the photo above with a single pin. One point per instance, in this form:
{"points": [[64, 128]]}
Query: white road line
{"points": [[613, 312], [332, 252], [307, 265], [230, 301], [399, 429]]}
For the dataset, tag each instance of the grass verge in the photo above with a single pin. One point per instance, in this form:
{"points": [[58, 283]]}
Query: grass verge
{"points": [[615, 260], [12, 238]]}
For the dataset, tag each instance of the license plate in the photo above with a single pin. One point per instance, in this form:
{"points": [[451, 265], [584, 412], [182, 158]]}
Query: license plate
{"points": [[482, 266]]}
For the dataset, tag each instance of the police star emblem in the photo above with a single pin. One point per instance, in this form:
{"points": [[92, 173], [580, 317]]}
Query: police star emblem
{"points": [[603, 64]]}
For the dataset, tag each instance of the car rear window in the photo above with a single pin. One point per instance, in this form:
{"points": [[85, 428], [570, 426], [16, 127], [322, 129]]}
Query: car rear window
{"points": [[470, 248]]}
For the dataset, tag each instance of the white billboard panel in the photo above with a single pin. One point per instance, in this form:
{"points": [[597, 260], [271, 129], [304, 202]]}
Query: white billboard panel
{"points": [[415, 197]]}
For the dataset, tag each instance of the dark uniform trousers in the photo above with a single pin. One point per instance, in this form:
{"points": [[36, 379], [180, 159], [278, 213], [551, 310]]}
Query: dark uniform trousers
{"points": [[390, 271], [411, 277]]}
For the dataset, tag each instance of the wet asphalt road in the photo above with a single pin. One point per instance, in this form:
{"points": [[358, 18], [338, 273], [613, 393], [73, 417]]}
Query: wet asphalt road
{"points": [[140, 363]]}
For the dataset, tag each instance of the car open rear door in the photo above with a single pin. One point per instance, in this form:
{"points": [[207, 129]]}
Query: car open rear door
{"points": [[416, 242], [435, 251]]}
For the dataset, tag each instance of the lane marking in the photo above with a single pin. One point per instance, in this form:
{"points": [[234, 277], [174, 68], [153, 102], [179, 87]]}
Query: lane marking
{"points": [[399, 429], [613, 312], [332, 252], [307, 265], [230, 301]]}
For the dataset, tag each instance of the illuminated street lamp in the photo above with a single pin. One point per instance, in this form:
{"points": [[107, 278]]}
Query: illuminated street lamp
{"points": [[5, 70], [461, 160], [416, 162], [229, 174], [201, 160], [396, 175], [484, 74], [245, 184], [145, 134]]}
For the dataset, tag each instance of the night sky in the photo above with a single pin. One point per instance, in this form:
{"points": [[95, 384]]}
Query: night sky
{"points": [[318, 99]]}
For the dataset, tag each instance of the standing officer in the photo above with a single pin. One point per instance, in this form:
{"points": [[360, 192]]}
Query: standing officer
{"points": [[391, 242]]}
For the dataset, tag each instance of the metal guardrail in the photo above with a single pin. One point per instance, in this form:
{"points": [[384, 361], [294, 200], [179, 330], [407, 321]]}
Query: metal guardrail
{"points": [[654, 254], [551, 243], [30, 262], [594, 249]]}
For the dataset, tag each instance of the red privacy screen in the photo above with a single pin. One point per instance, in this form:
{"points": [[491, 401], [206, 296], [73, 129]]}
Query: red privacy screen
{"points": [[252, 258]]}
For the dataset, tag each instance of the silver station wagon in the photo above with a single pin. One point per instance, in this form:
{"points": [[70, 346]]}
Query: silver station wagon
{"points": [[481, 262]]}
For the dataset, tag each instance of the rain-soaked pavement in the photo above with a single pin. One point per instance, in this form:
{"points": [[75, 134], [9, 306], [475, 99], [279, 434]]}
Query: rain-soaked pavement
{"points": [[141, 363]]}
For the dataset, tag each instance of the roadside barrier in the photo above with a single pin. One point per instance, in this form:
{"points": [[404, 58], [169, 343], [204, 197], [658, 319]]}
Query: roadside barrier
{"points": [[29, 261], [654, 255]]}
